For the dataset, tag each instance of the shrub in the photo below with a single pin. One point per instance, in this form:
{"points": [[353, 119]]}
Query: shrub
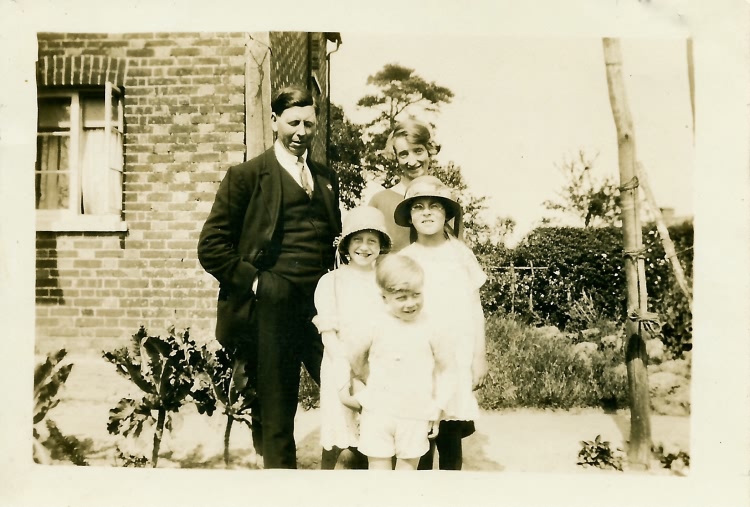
{"points": [[309, 391], [49, 442], [226, 386], [671, 458], [166, 370], [577, 259], [529, 367], [598, 453], [588, 261]]}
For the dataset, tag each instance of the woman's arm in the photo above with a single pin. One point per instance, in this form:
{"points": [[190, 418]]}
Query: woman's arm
{"points": [[479, 363]]}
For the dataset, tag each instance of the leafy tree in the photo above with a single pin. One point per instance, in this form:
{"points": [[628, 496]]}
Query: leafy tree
{"points": [[345, 156], [583, 197], [399, 89], [475, 228], [399, 92]]}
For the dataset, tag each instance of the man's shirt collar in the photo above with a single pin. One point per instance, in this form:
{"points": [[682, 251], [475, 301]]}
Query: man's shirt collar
{"points": [[285, 158]]}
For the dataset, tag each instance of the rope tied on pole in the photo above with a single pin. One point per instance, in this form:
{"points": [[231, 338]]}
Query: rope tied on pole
{"points": [[630, 185], [647, 321], [635, 254]]}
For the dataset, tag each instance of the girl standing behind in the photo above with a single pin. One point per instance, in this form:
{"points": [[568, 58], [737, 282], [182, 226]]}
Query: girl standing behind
{"points": [[451, 300], [411, 145], [345, 297]]}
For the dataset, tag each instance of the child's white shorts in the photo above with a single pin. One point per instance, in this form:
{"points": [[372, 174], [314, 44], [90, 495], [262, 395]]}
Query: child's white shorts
{"points": [[383, 436]]}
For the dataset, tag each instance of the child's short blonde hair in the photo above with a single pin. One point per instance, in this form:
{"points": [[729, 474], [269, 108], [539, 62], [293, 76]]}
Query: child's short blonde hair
{"points": [[395, 273]]}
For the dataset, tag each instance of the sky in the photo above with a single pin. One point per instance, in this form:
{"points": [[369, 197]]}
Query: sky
{"points": [[524, 105]]}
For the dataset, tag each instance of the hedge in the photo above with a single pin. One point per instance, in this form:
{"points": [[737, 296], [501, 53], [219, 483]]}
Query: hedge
{"points": [[584, 270]]}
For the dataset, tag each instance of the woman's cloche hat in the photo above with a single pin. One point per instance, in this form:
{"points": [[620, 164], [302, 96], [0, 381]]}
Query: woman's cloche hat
{"points": [[364, 218], [426, 186]]}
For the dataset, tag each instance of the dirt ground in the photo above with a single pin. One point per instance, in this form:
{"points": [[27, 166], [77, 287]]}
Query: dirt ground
{"points": [[511, 441]]}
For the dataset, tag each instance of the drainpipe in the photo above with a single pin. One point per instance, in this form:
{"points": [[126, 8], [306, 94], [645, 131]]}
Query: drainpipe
{"points": [[328, 97]]}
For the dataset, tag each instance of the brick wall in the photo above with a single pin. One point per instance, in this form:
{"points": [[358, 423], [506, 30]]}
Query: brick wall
{"points": [[184, 125], [184, 108]]}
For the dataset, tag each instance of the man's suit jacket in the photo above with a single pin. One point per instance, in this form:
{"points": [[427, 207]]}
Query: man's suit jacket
{"points": [[237, 240]]}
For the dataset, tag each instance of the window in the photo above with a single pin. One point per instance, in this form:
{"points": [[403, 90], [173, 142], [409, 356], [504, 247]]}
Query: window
{"points": [[79, 163]]}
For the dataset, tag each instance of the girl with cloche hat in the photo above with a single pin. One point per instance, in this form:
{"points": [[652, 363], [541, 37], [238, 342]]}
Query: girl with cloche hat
{"points": [[451, 300], [344, 299]]}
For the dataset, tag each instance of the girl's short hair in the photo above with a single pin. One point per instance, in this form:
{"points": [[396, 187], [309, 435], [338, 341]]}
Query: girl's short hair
{"points": [[415, 132], [394, 273]]}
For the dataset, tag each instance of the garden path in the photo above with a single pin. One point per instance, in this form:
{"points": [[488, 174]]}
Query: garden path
{"points": [[512, 441]]}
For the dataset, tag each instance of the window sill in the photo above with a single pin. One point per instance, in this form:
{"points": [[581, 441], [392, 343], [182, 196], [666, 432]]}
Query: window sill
{"points": [[81, 223]]}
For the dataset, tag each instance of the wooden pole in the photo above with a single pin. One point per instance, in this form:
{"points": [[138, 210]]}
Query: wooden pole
{"points": [[636, 357], [691, 81], [531, 288], [512, 288], [669, 250]]}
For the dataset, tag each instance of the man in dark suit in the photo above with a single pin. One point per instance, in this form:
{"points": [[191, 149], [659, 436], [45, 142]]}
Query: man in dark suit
{"points": [[268, 240]]}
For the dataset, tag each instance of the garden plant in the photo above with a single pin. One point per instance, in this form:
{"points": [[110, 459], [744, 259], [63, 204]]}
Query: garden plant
{"points": [[49, 442], [165, 369]]}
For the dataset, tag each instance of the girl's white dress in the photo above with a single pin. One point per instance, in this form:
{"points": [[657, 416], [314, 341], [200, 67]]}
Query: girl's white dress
{"points": [[344, 299], [452, 278]]}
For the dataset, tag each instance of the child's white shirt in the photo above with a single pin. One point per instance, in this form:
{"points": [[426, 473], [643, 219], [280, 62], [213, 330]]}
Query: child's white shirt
{"points": [[453, 277], [409, 368]]}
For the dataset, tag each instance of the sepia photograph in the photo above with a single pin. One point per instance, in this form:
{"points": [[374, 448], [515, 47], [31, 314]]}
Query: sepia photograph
{"points": [[250, 248]]}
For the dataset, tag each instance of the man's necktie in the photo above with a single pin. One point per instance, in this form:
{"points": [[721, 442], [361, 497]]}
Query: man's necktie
{"points": [[304, 178]]}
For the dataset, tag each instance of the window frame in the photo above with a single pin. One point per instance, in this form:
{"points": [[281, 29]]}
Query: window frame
{"points": [[71, 219]]}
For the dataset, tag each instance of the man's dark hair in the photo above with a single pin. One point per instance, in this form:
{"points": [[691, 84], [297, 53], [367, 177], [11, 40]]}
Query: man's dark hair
{"points": [[292, 96]]}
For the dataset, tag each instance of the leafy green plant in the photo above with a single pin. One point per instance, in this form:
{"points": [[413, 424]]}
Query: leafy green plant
{"points": [[49, 442], [582, 313], [165, 370], [66, 447], [529, 367], [671, 459], [598, 453], [309, 391], [128, 460], [227, 386]]}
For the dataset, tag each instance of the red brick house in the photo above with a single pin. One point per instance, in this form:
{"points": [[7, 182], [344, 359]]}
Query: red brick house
{"points": [[135, 132]]}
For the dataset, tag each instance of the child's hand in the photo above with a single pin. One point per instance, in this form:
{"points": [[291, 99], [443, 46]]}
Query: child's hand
{"points": [[478, 372], [347, 395], [434, 429], [351, 403]]}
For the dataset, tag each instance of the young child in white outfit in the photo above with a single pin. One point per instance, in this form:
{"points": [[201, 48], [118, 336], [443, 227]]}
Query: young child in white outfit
{"points": [[451, 301], [404, 370], [344, 298]]}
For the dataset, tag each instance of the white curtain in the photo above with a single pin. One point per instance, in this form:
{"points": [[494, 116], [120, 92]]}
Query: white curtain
{"points": [[94, 188], [53, 177]]}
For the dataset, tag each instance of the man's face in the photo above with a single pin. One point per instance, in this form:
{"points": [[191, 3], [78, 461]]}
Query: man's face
{"points": [[404, 304], [295, 128]]}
